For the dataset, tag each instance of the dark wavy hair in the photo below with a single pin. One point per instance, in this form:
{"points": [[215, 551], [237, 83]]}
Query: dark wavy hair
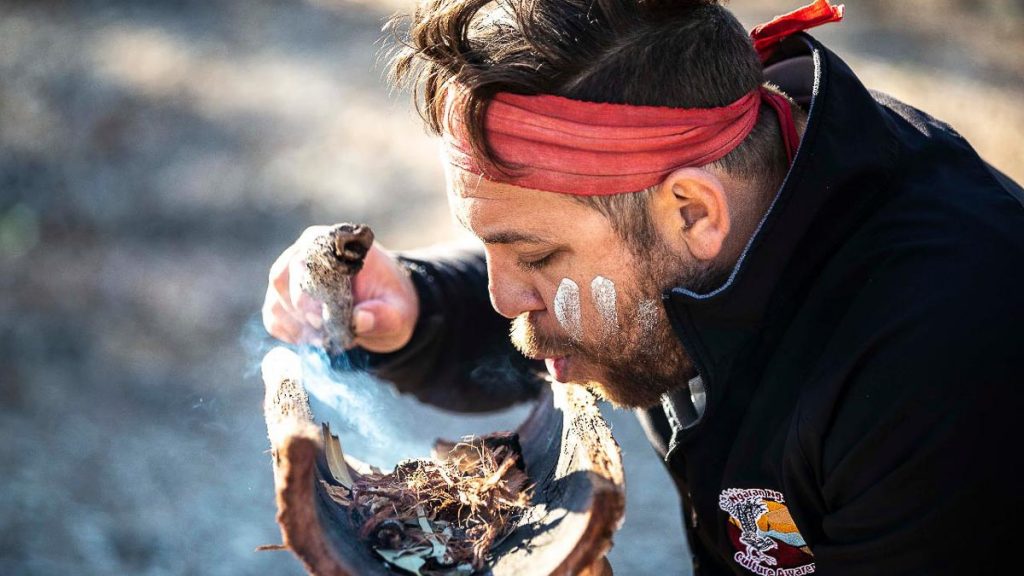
{"points": [[681, 53]]}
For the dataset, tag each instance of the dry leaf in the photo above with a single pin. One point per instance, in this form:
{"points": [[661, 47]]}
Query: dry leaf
{"points": [[335, 457], [411, 562]]}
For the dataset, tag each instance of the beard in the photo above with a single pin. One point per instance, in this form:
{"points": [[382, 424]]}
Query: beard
{"points": [[633, 366]]}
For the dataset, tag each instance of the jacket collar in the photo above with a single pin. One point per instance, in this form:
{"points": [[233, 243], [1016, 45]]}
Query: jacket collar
{"points": [[845, 156]]}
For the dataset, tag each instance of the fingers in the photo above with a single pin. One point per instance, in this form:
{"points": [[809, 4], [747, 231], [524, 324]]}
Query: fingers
{"points": [[363, 321], [283, 325], [386, 302], [278, 322], [378, 326], [279, 270], [375, 318], [289, 314]]}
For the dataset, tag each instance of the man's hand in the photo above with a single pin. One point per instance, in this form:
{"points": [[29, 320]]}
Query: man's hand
{"points": [[386, 304]]}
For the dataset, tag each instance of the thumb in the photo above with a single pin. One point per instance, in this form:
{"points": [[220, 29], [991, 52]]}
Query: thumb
{"points": [[376, 319]]}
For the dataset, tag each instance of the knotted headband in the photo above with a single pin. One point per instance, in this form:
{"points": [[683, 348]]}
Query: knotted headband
{"points": [[590, 148]]}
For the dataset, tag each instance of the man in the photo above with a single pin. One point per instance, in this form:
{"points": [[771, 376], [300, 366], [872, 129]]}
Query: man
{"points": [[812, 302]]}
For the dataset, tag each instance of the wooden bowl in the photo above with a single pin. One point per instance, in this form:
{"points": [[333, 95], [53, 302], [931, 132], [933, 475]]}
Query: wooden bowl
{"points": [[570, 457]]}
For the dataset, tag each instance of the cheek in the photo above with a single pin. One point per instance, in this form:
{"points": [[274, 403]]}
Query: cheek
{"points": [[584, 290], [621, 311], [588, 310], [567, 308], [604, 298], [512, 291], [608, 288]]}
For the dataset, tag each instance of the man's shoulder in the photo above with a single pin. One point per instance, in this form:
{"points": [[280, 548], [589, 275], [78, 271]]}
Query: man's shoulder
{"points": [[940, 207], [936, 160], [927, 298]]}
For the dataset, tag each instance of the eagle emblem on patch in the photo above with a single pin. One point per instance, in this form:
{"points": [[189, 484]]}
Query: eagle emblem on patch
{"points": [[761, 529]]}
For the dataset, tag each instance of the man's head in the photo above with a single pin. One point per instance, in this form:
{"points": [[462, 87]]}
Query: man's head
{"points": [[582, 276], [583, 297]]}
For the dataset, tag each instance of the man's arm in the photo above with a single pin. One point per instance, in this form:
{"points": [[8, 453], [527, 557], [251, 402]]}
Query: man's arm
{"points": [[460, 356]]}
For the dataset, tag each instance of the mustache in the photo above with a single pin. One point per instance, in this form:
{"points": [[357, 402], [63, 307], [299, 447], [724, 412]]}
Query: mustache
{"points": [[534, 343]]}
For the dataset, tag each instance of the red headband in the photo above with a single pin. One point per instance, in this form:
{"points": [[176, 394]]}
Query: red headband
{"points": [[589, 148]]}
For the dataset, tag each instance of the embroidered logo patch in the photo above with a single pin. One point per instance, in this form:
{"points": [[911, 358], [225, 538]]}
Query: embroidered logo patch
{"points": [[766, 539]]}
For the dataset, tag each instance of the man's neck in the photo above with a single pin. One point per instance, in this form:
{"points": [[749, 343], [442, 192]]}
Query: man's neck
{"points": [[752, 201]]}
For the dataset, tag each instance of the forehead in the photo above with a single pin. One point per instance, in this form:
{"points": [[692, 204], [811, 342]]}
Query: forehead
{"points": [[466, 186], [488, 208]]}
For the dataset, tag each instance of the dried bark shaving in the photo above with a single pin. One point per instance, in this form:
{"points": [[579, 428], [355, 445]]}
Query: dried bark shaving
{"points": [[442, 515]]}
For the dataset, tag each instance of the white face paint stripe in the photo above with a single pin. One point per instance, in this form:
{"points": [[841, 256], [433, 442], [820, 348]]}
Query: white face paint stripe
{"points": [[647, 316], [602, 291], [567, 308]]}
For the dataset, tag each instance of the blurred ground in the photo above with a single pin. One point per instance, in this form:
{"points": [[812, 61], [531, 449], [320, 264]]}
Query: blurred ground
{"points": [[154, 159]]}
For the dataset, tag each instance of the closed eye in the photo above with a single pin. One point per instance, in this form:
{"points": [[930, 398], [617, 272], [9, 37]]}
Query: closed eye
{"points": [[538, 263]]}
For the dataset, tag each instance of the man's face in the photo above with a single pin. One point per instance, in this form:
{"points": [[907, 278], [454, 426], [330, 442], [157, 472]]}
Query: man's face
{"points": [[578, 296]]}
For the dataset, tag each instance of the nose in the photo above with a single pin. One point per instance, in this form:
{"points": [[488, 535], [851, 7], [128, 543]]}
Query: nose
{"points": [[512, 293]]}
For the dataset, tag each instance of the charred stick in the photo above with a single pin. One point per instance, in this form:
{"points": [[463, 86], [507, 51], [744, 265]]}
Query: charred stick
{"points": [[332, 259]]}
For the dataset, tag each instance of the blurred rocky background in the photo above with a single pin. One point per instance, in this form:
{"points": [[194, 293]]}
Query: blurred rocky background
{"points": [[155, 157]]}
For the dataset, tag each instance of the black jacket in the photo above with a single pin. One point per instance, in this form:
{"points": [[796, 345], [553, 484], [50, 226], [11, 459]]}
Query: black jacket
{"points": [[861, 371]]}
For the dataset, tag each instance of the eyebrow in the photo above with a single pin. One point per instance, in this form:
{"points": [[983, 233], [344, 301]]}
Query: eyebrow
{"points": [[504, 236], [511, 237]]}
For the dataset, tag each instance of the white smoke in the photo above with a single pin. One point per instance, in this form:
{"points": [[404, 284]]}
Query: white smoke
{"points": [[375, 423], [372, 421]]}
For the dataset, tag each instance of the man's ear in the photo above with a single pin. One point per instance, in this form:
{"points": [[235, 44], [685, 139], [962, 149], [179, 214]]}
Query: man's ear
{"points": [[691, 208]]}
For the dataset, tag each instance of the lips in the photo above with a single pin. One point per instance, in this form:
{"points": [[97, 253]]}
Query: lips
{"points": [[558, 367]]}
